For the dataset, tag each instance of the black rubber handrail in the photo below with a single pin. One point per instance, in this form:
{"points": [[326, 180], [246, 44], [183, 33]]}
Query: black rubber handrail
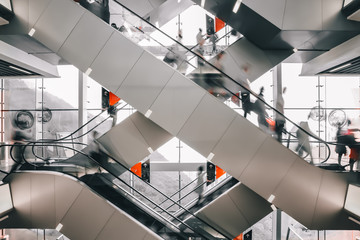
{"points": [[99, 164], [226, 75]]}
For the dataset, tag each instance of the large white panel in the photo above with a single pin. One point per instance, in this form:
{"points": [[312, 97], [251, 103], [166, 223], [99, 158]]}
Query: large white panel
{"points": [[244, 53], [153, 134], [85, 41], [20, 187], [271, 10], [206, 125], [303, 15], [225, 216], [125, 143], [268, 167], [121, 225], [43, 201], [238, 146], [298, 191], [53, 26], [330, 201], [175, 103], [36, 7], [249, 203], [66, 191], [115, 61], [5, 200], [87, 216], [144, 82]]}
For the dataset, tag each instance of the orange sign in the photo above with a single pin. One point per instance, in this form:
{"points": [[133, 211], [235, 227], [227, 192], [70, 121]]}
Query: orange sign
{"points": [[219, 24], [219, 172], [136, 169], [113, 99]]}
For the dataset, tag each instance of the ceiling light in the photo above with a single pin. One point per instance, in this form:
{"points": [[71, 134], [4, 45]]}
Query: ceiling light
{"points": [[157, 24], [295, 49], [236, 6], [179, 1], [19, 69], [340, 67], [202, 3], [148, 113], [271, 198], [273, 207]]}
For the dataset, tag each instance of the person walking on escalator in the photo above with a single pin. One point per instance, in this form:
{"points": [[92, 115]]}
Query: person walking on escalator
{"points": [[200, 183], [260, 110], [96, 151], [303, 140], [279, 116], [19, 138]]}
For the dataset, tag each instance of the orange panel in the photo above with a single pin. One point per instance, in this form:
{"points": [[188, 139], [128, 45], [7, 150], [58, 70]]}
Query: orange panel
{"points": [[219, 24], [219, 172], [240, 237], [136, 169], [113, 99]]}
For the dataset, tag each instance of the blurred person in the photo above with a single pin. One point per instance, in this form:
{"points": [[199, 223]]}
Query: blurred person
{"points": [[200, 183], [247, 105], [19, 138], [200, 52], [340, 147], [97, 151], [259, 109], [279, 117], [303, 140], [213, 37], [200, 37]]}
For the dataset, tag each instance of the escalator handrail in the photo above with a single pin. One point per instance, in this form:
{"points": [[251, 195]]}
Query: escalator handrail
{"points": [[226, 75], [96, 162]]}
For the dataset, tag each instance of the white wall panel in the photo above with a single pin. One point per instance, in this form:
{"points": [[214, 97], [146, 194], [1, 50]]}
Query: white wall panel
{"points": [[298, 191], [43, 201], [125, 143], [253, 207], [238, 146], [115, 61], [144, 82], [225, 216], [207, 124], [303, 15], [85, 41], [268, 167], [330, 201], [121, 227], [36, 7], [153, 134], [86, 216], [66, 191], [53, 26], [176, 102]]}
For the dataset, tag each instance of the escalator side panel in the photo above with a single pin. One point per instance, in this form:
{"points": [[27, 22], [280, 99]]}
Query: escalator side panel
{"points": [[53, 27], [145, 81], [207, 124], [177, 112], [82, 209], [111, 65], [89, 35]]}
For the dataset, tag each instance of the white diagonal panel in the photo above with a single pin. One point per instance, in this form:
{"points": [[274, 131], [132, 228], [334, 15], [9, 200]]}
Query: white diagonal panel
{"points": [[53, 26], [86, 216], [297, 193], [330, 202], [125, 143], [115, 61], [238, 146], [145, 81], [206, 125], [268, 167], [251, 205], [36, 7], [154, 135], [85, 41], [176, 102], [225, 216]]}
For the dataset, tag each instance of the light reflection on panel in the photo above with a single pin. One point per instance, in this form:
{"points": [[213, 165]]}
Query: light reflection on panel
{"points": [[352, 200], [5, 199]]}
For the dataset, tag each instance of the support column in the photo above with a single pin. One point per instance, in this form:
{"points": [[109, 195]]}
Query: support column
{"points": [[82, 115], [277, 83]]}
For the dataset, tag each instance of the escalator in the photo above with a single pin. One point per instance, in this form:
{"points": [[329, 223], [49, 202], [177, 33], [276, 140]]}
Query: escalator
{"points": [[193, 115]]}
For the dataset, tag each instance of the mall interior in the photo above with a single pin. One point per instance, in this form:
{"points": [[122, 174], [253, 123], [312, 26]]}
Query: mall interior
{"points": [[180, 119]]}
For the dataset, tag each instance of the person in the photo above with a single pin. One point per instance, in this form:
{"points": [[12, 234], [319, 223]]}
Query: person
{"points": [[259, 109], [303, 140], [213, 38], [200, 52], [19, 138], [340, 147], [279, 117], [200, 183], [112, 111], [96, 150], [247, 105], [199, 37]]}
